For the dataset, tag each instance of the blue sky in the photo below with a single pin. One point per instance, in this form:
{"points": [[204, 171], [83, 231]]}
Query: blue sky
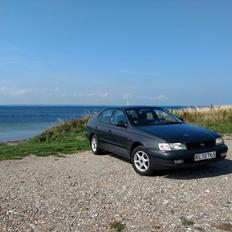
{"points": [[116, 52]]}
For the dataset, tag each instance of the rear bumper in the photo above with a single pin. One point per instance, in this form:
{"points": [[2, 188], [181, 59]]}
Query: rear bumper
{"points": [[165, 160]]}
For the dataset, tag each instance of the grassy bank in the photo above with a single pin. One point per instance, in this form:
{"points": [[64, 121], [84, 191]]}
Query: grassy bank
{"points": [[70, 136], [66, 138]]}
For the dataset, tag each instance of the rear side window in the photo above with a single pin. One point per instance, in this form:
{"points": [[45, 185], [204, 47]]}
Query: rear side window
{"points": [[118, 115], [105, 116]]}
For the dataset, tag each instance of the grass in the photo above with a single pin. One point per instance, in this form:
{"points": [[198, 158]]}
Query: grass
{"points": [[70, 137], [117, 226], [218, 119], [187, 222]]}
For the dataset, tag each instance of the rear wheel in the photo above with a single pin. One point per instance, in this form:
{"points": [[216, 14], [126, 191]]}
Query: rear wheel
{"points": [[141, 161], [94, 145]]}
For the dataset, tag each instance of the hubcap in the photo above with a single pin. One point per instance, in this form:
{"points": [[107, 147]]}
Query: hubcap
{"points": [[94, 144], [141, 161]]}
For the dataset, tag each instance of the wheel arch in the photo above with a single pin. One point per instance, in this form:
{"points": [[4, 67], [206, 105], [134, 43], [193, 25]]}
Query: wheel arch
{"points": [[133, 146], [91, 135]]}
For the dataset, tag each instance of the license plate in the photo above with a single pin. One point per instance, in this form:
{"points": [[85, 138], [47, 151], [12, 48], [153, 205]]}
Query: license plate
{"points": [[205, 156]]}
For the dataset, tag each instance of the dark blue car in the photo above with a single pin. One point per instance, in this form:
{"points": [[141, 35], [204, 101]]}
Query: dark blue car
{"points": [[152, 138]]}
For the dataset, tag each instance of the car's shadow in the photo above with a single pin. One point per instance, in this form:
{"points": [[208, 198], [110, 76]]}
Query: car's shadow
{"points": [[220, 168], [117, 157]]}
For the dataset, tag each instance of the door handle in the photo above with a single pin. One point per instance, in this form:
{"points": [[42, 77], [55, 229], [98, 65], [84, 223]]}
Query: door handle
{"points": [[96, 127], [110, 131]]}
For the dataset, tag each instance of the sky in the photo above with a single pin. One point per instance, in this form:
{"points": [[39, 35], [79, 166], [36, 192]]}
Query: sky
{"points": [[153, 52]]}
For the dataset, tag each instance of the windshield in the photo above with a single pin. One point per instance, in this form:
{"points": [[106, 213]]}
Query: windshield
{"points": [[151, 116]]}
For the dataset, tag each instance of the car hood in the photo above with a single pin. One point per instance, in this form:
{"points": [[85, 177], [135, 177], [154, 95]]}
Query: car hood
{"points": [[179, 133]]}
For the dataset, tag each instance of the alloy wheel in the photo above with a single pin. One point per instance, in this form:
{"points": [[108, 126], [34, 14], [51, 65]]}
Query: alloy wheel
{"points": [[141, 161], [94, 144]]}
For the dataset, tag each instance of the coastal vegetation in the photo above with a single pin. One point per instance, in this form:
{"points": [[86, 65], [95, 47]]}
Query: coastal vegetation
{"points": [[218, 119], [70, 137]]}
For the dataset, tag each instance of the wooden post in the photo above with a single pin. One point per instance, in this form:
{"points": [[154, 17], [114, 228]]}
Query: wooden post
{"points": [[211, 107]]}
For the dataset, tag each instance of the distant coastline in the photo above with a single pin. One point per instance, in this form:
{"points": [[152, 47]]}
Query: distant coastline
{"points": [[12, 142]]}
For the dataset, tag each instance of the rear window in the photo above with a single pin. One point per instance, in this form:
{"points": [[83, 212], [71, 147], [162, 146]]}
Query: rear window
{"points": [[105, 116]]}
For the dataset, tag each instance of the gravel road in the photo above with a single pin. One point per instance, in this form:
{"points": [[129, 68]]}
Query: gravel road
{"points": [[87, 193]]}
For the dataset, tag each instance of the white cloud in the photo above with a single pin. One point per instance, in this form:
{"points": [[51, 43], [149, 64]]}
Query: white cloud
{"points": [[158, 98], [11, 62], [14, 91], [137, 73], [93, 94], [130, 97], [59, 94]]}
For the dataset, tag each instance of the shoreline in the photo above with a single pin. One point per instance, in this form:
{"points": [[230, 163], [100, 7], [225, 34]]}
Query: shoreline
{"points": [[13, 142]]}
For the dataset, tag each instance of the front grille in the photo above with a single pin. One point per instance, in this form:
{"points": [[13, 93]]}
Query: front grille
{"points": [[200, 145]]}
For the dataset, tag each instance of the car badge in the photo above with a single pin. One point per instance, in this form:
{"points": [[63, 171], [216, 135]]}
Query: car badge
{"points": [[202, 144]]}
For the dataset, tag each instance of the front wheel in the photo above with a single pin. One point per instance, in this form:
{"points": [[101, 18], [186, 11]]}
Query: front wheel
{"points": [[94, 145], [141, 161]]}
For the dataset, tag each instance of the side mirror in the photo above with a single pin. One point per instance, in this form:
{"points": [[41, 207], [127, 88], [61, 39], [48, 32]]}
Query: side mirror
{"points": [[181, 119], [121, 124]]}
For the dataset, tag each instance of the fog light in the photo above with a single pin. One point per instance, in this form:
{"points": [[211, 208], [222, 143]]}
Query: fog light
{"points": [[223, 154], [178, 161]]}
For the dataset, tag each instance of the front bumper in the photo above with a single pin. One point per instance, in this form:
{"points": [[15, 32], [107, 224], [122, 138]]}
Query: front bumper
{"points": [[165, 160]]}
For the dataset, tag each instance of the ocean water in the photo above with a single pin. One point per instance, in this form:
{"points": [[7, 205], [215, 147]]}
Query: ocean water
{"points": [[23, 122]]}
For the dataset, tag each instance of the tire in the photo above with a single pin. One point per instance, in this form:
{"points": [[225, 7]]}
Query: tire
{"points": [[141, 161], [94, 145]]}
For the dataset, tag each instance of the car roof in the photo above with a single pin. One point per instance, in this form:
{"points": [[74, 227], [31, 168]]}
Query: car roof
{"points": [[132, 107]]}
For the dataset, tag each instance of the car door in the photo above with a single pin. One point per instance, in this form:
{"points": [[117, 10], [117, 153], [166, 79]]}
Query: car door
{"points": [[102, 129], [119, 134]]}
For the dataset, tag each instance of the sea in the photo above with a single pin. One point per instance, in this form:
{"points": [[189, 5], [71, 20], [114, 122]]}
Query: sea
{"points": [[24, 122]]}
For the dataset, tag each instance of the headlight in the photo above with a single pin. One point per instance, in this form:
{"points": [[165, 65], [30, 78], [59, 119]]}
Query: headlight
{"points": [[219, 141], [172, 146], [164, 147]]}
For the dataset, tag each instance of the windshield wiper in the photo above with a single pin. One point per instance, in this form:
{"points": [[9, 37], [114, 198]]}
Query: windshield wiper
{"points": [[167, 123], [157, 123]]}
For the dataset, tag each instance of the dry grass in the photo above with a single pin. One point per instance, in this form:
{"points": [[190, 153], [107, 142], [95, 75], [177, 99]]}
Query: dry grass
{"points": [[217, 118]]}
